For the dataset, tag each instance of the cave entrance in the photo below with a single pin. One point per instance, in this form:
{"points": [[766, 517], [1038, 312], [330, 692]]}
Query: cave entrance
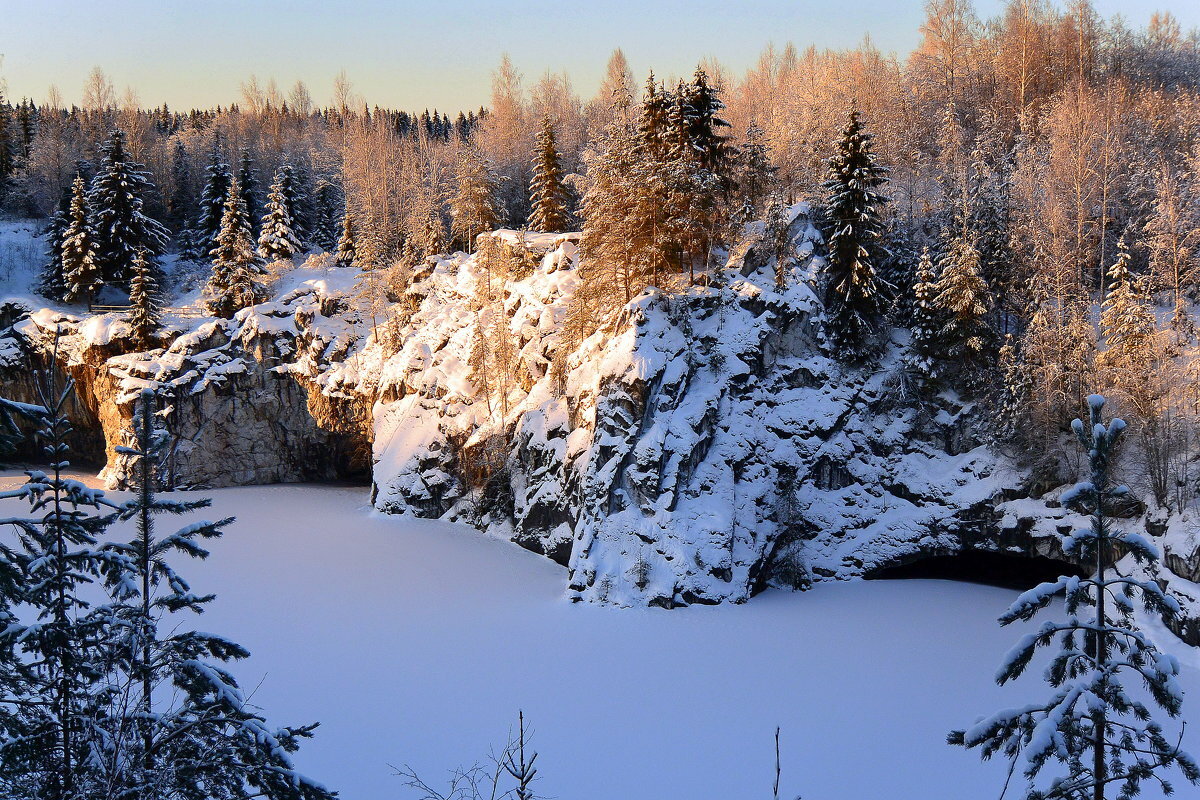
{"points": [[981, 566]]}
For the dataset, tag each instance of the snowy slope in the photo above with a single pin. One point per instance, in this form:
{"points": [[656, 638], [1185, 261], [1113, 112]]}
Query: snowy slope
{"points": [[415, 642]]}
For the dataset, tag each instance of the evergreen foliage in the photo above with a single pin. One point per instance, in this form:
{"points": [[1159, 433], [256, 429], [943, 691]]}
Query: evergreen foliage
{"points": [[81, 274], [181, 198], [291, 189], [925, 347], [202, 739], [549, 195], [347, 249], [853, 290], [121, 228], [247, 178], [51, 283], [235, 282], [278, 238], [755, 174], [212, 204], [961, 299], [1091, 724], [1126, 320], [328, 216], [106, 694], [54, 660], [473, 206], [145, 315], [777, 237]]}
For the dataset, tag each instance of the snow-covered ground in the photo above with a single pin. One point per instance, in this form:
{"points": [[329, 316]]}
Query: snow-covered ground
{"points": [[415, 642]]}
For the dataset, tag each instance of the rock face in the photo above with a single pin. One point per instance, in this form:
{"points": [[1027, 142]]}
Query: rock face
{"points": [[243, 399], [700, 448]]}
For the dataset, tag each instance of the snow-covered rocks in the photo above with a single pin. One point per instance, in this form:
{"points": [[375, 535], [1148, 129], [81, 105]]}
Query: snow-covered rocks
{"points": [[702, 447]]}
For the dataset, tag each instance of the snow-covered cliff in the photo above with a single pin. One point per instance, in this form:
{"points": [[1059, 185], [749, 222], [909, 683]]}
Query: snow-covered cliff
{"points": [[702, 446]]}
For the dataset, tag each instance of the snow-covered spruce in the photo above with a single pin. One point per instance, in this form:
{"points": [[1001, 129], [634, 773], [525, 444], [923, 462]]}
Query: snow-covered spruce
{"points": [[278, 238], [117, 217], [235, 282], [1101, 733]]}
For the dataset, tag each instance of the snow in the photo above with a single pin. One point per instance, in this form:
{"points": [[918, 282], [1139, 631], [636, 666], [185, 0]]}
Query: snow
{"points": [[415, 642]]}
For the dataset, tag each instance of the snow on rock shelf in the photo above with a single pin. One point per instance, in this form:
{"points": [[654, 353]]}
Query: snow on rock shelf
{"points": [[702, 448]]}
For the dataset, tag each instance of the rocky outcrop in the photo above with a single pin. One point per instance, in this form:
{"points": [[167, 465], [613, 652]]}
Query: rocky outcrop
{"points": [[701, 446], [243, 400]]}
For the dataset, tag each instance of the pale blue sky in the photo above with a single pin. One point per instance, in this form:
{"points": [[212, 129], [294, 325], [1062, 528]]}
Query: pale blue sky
{"points": [[425, 54]]}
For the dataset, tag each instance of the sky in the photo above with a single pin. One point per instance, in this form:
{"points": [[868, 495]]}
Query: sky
{"points": [[432, 53]]}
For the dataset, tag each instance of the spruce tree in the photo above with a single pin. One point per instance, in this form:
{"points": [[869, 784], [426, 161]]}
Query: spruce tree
{"points": [[82, 277], [202, 739], [1091, 724], [181, 199], [853, 290], [212, 204], [50, 282], [347, 248], [925, 349], [247, 179], [328, 216], [56, 649], [473, 205], [962, 300], [1014, 395], [118, 194], [433, 235], [777, 238], [145, 315], [701, 105], [1126, 320], [278, 238], [548, 193], [235, 282], [7, 146], [754, 173], [297, 188]]}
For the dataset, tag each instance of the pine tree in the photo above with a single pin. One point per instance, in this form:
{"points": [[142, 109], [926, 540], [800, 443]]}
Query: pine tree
{"points": [[473, 205], [853, 291], [82, 277], [212, 204], [962, 300], [548, 193], [1091, 724], [145, 315], [278, 238], [235, 283], [926, 347], [347, 249], [118, 194]]}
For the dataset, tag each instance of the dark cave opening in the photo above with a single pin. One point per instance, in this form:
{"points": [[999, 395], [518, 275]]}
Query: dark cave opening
{"points": [[981, 566]]}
